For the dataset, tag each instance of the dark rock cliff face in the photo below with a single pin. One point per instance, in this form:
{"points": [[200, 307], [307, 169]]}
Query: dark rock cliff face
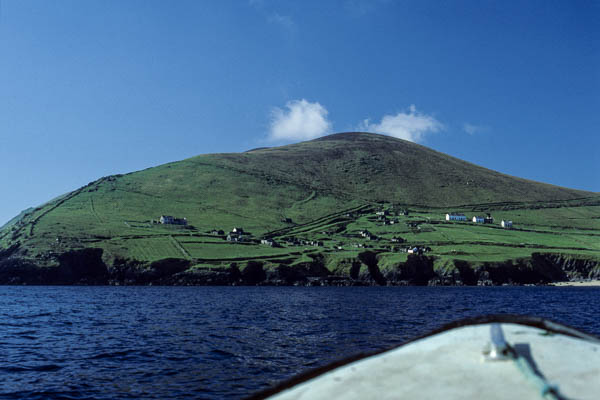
{"points": [[574, 268], [539, 269], [417, 270], [85, 267], [18, 272], [80, 267], [369, 258]]}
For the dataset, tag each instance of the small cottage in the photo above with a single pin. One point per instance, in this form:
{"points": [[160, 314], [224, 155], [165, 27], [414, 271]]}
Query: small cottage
{"points": [[170, 220], [165, 219], [269, 242], [478, 219], [456, 217], [506, 224], [234, 237]]}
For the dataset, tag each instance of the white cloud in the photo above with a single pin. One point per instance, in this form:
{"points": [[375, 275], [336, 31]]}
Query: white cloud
{"points": [[473, 129], [302, 120], [411, 125]]}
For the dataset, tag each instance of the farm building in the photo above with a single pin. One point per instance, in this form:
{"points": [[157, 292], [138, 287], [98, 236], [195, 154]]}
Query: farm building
{"points": [[234, 237], [506, 224], [456, 217], [170, 220], [488, 219], [478, 219], [418, 250], [269, 242]]}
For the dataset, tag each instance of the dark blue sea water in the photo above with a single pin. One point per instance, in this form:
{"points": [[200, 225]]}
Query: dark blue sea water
{"points": [[228, 342]]}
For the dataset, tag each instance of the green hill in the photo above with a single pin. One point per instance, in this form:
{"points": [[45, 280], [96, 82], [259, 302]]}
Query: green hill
{"points": [[325, 190], [16, 219]]}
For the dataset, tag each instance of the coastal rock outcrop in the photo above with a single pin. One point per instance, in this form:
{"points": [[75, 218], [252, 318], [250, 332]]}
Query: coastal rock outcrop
{"points": [[87, 267]]}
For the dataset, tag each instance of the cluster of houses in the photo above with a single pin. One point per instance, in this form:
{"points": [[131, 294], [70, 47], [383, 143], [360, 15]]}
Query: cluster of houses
{"points": [[367, 235], [417, 249], [382, 216], [237, 235], [269, 242], [385, 221], [293, 241], [385, 213], [478, 219]]}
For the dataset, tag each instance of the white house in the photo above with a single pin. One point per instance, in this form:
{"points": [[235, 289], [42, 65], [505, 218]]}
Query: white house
{"points": [[234, 237], [166, 219], [456, 217], [506, 224], [478, 219], [170, 220]]}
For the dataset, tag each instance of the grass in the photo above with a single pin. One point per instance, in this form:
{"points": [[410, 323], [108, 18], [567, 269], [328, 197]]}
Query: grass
{"points": [[315, 184]]}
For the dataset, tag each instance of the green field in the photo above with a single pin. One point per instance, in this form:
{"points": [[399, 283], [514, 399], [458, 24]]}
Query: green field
{"points": [[326, 190]]}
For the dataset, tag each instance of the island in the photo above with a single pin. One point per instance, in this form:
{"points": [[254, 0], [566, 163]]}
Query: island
{"points": [[346, 209]]}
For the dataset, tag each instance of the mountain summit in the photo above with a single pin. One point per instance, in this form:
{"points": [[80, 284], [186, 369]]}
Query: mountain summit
{"points": [[381, 168]]}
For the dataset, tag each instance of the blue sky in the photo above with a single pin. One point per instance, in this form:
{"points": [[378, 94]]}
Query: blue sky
{"points": [[92, 88]]}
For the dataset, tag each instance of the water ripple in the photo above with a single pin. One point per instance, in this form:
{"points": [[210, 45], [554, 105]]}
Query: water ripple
{"points": [[208, 343]]}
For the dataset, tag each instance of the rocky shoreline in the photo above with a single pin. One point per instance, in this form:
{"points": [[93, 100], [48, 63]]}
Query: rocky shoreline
{"points": [[86, 267]]}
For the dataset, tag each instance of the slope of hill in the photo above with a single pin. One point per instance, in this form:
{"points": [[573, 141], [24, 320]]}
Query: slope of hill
{"points": [[296, 192], [16, 219]]}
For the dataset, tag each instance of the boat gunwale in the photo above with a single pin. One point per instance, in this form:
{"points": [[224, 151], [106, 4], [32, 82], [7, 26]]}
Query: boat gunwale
{"points": [[531, 321]]}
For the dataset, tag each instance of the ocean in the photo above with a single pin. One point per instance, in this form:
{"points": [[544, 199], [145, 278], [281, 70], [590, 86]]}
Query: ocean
{"points": [[76, 342]]}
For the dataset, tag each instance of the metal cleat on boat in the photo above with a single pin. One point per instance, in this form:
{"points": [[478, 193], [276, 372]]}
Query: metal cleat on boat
{"points": [[497, 349]]}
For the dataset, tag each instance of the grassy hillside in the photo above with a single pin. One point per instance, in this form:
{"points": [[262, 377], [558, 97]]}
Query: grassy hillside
{"points": [[323, 190], [16, 219]]}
